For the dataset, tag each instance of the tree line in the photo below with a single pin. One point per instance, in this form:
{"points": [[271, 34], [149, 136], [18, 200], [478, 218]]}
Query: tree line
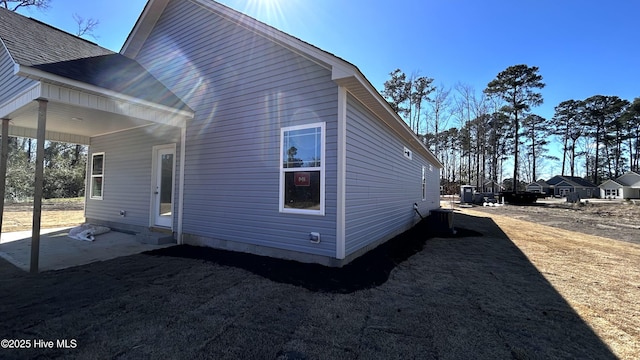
{"points": [[603, 131], [64, 170], [475, 135]]}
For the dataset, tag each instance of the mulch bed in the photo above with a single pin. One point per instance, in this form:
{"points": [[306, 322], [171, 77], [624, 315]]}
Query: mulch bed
{"points": [[367, 271]]}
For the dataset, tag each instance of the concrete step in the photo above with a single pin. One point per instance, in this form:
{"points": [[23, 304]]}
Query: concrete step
{"points": [[156, 237]]}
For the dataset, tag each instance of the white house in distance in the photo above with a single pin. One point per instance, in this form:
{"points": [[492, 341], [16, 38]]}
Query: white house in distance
{"points": [[211, 128], [627, 186]]}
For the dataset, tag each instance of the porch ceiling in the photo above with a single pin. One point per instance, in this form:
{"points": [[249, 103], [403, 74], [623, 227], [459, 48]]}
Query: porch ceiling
{"points": [[75, 114], [70, 123]]}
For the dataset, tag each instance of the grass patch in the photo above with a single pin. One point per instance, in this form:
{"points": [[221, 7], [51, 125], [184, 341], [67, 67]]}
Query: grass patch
{"points": [[55, 213]]}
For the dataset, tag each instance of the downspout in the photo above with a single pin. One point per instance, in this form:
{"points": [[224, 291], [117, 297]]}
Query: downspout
{"points": [[415, 207], [183, 141]]}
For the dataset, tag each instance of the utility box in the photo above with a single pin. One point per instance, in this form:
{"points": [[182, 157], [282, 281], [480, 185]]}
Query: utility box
{"points": [[466, 194], [573, 197], [442, 220]]}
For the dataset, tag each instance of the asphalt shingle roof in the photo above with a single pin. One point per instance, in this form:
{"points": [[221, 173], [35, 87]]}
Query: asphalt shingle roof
{"points": [[41, 46], [572, 180], [540, 182], [630, 178], [580, 181]]}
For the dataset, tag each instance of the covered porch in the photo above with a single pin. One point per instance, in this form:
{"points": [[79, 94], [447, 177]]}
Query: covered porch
{"points": [[56, 108], [58, 251]]}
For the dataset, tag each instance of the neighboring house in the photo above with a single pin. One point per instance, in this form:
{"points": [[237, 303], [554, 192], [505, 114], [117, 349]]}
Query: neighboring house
{"points": [[489, 186], [561, 185], [627, 186], [540, 187], [214, 129]]}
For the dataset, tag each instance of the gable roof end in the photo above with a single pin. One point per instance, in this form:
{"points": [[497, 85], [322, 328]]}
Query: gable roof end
{"points": [[342, 72], [612, 182], [630, 178], [542, 183], [143, 27]]}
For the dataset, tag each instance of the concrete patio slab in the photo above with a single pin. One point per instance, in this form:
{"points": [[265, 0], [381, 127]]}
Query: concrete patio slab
{"points": [[58, 251]]}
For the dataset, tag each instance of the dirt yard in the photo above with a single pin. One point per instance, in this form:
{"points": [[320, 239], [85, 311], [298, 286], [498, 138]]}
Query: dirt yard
{"points": [[503, 287], [599, 277], [55, 213], [618, 220]]}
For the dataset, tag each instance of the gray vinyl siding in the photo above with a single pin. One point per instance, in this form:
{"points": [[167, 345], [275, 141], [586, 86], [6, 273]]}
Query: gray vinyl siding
{"points": [[382, 185], [12, 85], [244, 89], [127, 174]]}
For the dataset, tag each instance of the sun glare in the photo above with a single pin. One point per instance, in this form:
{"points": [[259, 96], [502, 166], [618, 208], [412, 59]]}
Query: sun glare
{"points": [[269, 11]]}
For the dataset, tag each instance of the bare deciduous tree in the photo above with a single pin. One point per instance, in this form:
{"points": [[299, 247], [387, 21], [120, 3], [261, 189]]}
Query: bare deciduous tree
{"points": [[14, 5], [440, 114], [85, 26]]}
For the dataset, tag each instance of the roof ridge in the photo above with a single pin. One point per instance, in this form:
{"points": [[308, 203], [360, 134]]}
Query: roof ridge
{"points": [[62, 31], [37, 42], [15, 13]]}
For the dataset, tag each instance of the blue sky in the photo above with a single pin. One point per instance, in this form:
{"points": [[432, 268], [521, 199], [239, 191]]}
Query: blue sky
{"points": [[582, 48]]}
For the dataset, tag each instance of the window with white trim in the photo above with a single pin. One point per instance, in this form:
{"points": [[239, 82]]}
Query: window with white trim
{"points": [[302, 169], [611, 192], [424, 183], [97, 176]]}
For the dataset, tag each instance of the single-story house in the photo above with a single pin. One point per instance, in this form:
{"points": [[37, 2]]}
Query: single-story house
{"points": [[540, 187], [626, 186], [488, 186], [562, 185], [211, 128]]}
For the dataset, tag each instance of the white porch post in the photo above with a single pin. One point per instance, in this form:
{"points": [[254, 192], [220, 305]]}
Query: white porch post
{"points": [[183, 147], [4, 157], [37, 193]]}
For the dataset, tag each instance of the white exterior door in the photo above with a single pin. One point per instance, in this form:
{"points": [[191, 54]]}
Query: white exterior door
{"points": [[163, 185]]}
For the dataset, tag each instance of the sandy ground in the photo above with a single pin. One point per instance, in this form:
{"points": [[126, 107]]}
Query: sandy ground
{"points": [[599, 277], [511, 289], [618, 220]]}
